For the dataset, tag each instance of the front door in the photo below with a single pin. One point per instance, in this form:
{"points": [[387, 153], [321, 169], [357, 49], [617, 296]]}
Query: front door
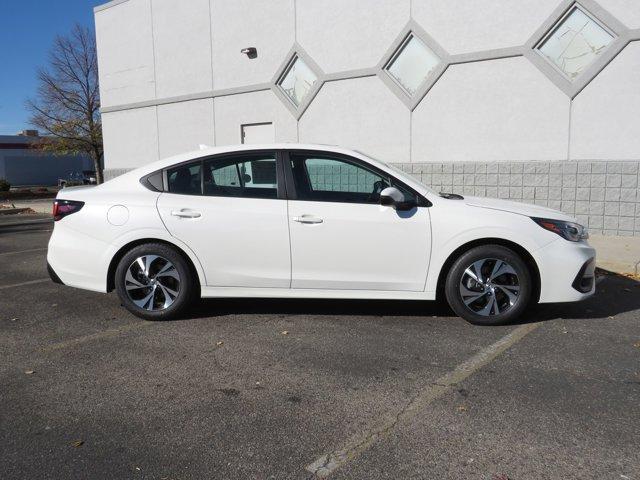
{"points": [[231, 212], [342, 238]]}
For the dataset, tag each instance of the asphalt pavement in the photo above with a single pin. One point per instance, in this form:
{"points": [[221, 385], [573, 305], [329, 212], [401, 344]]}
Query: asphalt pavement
{"points": [[302, 389]]}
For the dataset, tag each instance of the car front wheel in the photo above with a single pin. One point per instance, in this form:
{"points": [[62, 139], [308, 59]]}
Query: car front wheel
{"points": [[489, 285], [154, 282]]}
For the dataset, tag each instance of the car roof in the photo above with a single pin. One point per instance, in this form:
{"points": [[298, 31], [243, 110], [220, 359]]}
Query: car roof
{"points": [[210, 151]]}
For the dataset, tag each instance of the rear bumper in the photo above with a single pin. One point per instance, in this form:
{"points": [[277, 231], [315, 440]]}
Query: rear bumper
{"points": [[77, 260], [567, 271]]}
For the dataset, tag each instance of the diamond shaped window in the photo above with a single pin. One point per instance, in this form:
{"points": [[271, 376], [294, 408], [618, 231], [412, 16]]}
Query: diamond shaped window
{"points": [[297, 81], [411, 64], [574, 42]]}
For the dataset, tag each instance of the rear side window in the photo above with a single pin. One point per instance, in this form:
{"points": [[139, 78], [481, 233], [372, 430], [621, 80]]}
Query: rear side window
{"points": [[253, 176], [185, 179]]}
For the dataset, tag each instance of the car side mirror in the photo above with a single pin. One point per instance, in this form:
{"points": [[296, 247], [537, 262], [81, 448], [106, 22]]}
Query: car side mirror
{"points": [[392, 197]]}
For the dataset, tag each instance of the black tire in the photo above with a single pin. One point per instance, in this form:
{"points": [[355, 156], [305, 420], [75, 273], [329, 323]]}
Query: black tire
{"points": [[505, 308], [187, 285]]}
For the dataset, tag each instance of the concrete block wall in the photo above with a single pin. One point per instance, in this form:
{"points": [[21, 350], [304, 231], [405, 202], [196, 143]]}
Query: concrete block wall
{"points": [[172, 77], [603, 195]]}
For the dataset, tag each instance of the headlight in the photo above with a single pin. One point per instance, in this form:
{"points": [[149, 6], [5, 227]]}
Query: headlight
{"points": [[573, 232]]}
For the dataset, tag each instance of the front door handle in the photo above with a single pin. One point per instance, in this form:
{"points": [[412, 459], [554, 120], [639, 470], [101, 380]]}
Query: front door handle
{"points": [[307, 219], [186, 214]]}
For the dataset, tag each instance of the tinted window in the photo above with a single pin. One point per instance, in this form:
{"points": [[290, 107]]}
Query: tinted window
{"points": [[185, 179], [252, 176], [320, 178]]}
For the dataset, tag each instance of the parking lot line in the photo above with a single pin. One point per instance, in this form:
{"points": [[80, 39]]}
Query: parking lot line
{"points": [[30, 282], [32, 250], [95, 336], [328, 463]]}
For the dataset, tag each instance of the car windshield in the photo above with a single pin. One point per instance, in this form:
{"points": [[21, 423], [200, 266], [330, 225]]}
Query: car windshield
{"points": [[398, 171]]}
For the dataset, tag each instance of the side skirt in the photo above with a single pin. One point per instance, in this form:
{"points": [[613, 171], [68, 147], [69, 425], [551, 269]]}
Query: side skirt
{"points": [[228, 292]]}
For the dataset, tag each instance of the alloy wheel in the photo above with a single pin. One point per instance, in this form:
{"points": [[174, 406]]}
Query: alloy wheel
{"points": [[489, 287], [152, 282]]}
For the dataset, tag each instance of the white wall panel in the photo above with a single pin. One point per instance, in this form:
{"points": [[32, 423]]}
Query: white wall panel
{"points": [[125, 53], [362, 114], [626, 11], [344, 35], [498, 110], [182, 36], [233, 111], [266, 25], [183, 126], [462, 26], [130, 138], [605, 120]]}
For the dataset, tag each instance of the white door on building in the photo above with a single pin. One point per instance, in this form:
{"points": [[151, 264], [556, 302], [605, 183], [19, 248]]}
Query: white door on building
{"points": [[258, 133]]}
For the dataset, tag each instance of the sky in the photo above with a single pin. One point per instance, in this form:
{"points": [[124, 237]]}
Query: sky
{"points": [[27, 30]]}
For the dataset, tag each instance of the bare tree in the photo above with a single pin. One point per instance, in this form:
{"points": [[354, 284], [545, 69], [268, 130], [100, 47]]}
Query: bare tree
{"points": [[67, 105]]}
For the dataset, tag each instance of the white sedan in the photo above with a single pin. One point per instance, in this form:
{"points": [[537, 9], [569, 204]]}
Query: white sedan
{"points": [[309, 221]]}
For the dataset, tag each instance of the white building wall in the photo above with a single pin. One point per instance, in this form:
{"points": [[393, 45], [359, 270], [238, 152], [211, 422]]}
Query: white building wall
{"points": [[348, 35], [183, 126], [182, 47], [506, 109]]}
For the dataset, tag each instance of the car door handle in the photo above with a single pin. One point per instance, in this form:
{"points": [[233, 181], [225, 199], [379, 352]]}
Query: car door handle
{"points": [[307, 219], [186, 214]]}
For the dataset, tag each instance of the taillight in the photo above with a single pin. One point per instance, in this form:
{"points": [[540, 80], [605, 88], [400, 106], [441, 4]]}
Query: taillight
{"points": [[62, 208]]}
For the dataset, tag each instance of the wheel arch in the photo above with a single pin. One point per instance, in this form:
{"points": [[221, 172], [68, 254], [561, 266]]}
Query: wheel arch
{"points": [[113, 265], [517, 248]]}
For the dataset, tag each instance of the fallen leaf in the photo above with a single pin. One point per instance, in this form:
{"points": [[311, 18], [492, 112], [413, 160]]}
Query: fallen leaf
{"points": [[462, 408], [29, 372], [77, 443], [637, 344], [285, 332], [219, 344]]}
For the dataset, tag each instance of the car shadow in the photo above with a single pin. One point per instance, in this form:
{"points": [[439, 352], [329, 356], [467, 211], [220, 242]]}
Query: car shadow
{"points": [[615, 294]]}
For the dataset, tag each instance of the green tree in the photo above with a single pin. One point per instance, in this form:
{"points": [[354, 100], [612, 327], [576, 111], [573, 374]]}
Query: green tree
{"points": [[66, 107]]}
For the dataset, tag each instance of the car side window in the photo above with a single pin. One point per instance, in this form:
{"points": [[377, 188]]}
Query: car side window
{"points": [[253, 176], [185, 179], [325, 179]]}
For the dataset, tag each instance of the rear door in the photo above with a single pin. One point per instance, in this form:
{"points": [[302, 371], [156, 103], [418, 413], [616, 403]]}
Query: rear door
{"points": [[342, 238], [231, 211]]}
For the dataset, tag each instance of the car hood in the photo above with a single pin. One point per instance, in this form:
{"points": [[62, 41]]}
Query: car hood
{"points": [[518, 208]]}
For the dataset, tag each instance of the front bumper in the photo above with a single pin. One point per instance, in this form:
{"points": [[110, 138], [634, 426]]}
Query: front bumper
{"points": [[566, 271]]}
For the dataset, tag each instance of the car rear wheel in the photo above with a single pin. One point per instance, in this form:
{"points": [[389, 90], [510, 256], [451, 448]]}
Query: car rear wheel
{"points": [[489, 285], [155, 282]]}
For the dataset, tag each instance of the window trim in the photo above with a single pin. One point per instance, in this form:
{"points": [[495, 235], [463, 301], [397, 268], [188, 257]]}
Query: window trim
{"points": [[237, 156], [422, 201], [556, 25]]}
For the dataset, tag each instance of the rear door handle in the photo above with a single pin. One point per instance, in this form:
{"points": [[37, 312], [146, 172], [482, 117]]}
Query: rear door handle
{"points": [[307, 219], [186, 214]]}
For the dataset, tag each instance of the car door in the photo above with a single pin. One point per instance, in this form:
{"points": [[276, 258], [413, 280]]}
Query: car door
{"points": [[342, 238], [232, 212]]}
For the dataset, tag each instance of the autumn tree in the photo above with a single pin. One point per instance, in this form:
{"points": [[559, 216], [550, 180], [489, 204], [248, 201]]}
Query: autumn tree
{"points": [[67, 105]]}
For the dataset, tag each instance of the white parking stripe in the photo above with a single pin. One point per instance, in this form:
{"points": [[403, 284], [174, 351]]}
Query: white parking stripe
{"points": [[24, 251], [328, 463], [32, 282], [95, 336]]}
